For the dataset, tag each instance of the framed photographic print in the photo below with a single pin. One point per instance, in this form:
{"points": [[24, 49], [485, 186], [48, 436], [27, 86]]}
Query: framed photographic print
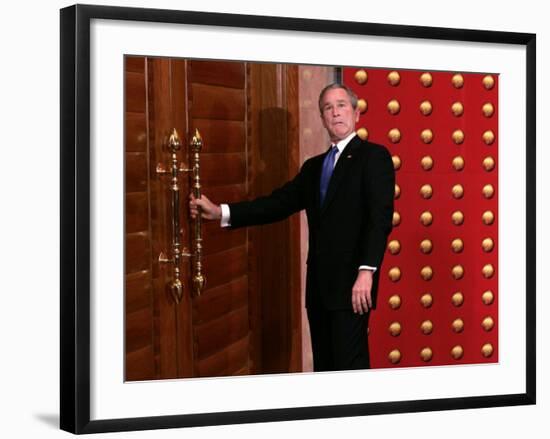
{"points": [[161, 309]]}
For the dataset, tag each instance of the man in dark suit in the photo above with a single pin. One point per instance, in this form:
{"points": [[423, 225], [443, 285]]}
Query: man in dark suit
{"points": [[347, 193]]}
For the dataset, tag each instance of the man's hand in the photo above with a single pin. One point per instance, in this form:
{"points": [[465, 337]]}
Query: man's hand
{"points": [[208, 209], [361, 299]]}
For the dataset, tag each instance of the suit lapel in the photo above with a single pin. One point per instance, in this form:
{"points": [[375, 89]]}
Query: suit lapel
{"points": [[340, 171]]}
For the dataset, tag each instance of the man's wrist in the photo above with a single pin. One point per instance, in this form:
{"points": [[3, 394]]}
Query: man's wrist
{"points": [[368, 268]]}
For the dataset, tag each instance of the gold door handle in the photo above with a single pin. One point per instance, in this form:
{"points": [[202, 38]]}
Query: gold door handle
{"points": [[174, 146], [176, 168], [199, 279]]}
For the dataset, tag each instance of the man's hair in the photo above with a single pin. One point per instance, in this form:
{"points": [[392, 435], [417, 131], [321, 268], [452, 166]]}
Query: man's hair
{"points": [[336, 85]]}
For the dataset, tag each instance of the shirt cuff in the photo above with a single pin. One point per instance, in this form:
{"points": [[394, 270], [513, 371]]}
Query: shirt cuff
{"points": [[367, 267], [226, 216]]}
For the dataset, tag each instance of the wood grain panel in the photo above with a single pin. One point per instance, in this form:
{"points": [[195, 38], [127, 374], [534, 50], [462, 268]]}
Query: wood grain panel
{"points": [[135, 92], [178, 96], [166, 328], [137, 212], [226, 193], [160, 122], [295, 265], [135, 64], [212, 102], [214, 336], [227, 74], [136, 132], [245, 370], [221, 300], [136, 172], [139, 348], [253, 92], [217, 239], [137, 252], [272, 149], [223, 169], [138, 329], [226, 362], [139, 365], [222, 268], [185, 355], [138, 290], [220, 135]]}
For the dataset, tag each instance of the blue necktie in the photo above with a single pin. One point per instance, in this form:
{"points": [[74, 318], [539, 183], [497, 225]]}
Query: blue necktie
{"points": [[328, 167]]}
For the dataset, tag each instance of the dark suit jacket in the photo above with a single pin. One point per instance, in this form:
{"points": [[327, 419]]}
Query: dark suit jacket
{"points": [[349, 230]]}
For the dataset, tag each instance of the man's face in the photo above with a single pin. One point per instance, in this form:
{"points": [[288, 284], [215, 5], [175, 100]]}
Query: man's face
{"points": [[338, 115]]}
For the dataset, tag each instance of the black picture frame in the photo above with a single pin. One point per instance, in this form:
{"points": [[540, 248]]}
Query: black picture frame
{"points": [[75, 217]]}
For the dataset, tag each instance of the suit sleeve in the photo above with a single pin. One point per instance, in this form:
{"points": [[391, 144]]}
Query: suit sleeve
{"points": [[280, 204], [379, 182]]}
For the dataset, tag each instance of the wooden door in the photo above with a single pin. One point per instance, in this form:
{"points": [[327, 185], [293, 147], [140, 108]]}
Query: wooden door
{"points": [[156, 326], [245, 321], [221, 316]]}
